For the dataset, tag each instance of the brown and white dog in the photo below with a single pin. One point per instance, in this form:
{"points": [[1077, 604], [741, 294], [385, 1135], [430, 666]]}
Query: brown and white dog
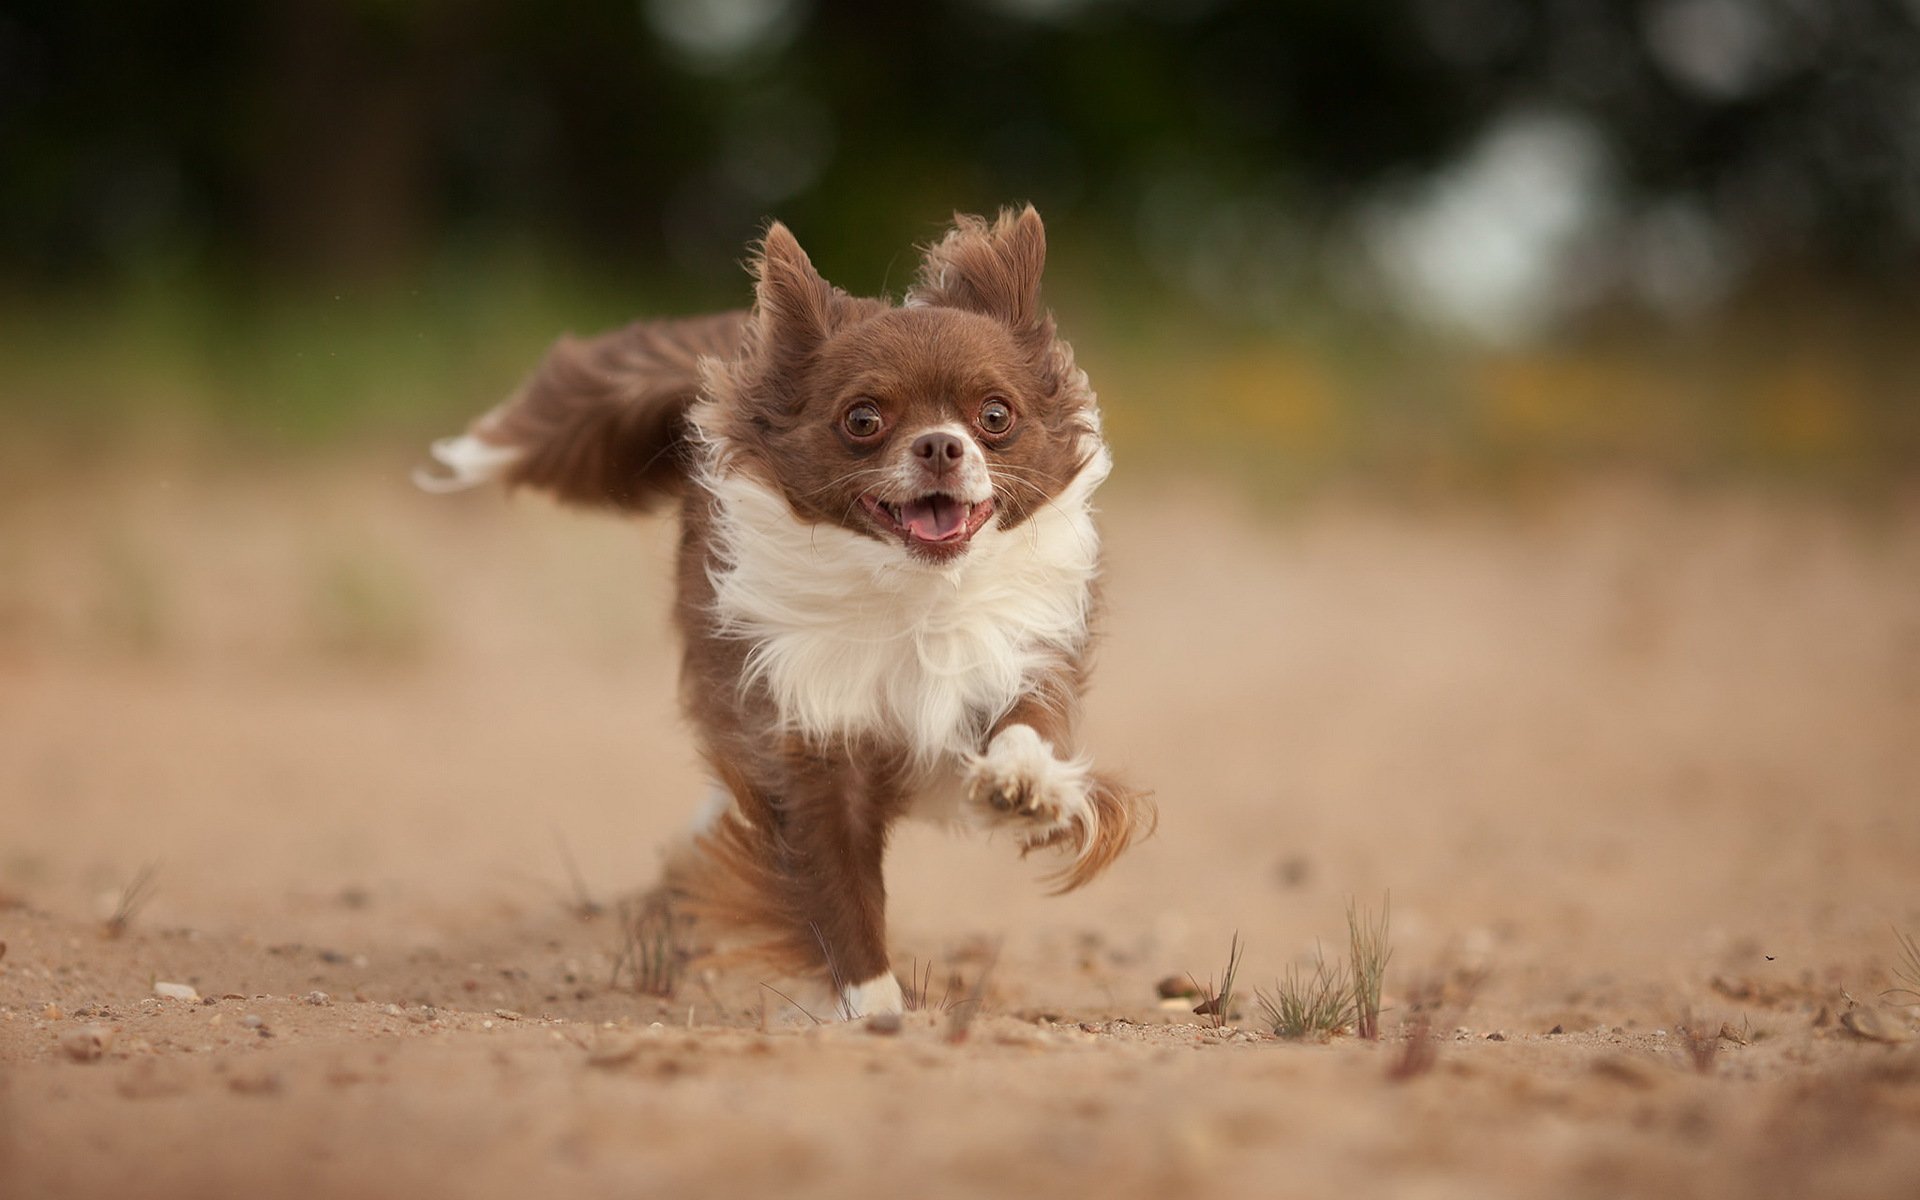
{"points": [[887, 572]]}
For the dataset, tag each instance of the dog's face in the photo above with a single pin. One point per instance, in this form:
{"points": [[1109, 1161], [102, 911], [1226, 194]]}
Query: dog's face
{"points": [[918, 426]]}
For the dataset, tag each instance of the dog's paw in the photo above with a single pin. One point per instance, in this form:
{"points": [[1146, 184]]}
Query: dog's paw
{"points": [[881, 994], [1019, 782]]}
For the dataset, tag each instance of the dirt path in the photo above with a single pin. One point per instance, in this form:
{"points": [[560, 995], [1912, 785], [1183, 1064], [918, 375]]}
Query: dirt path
{"points": [[1625, 761]]}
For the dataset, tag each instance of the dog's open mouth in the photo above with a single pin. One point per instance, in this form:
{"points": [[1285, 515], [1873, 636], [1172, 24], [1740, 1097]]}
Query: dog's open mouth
{"points": [[935, 522]]}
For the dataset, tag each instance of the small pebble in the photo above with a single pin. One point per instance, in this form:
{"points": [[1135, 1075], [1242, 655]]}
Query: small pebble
{"points": [[176, 991], [319, 998], [253, 1021], [87, 1042]]}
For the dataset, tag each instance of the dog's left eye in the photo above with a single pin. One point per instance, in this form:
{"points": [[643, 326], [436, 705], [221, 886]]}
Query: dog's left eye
{"points": [[996, 416], [862, 421]]}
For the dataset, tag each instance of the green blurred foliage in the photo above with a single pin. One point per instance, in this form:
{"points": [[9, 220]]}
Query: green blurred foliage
{"points": [[300, 220]]}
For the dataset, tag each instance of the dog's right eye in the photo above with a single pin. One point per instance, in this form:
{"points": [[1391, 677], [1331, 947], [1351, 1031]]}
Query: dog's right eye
{"points": [[862, 421]]}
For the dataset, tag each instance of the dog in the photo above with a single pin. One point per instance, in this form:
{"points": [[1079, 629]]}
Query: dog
{"points": [[887, 573]]}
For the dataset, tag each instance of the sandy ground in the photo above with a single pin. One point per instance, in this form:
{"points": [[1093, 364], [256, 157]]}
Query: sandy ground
{"points": [[1627, 761]]}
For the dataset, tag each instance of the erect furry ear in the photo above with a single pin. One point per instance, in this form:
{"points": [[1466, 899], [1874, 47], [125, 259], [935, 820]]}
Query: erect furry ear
{"points": [[793, 306], [989, 269]]}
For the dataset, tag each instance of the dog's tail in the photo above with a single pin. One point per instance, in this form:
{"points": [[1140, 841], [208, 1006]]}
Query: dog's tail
{"points": [[602, 422]]}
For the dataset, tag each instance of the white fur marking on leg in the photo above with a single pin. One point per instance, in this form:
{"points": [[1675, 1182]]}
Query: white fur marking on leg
{"points": [[470, 461], [881, 994], [1041, 791]]}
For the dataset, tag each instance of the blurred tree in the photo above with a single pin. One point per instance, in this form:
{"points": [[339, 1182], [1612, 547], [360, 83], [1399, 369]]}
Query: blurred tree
{"points": [[320, 138]]}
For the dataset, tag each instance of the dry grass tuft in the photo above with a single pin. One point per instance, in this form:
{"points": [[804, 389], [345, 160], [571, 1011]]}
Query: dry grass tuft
{"points": [[650, 951], [1333, 997], [1368, 952], [133, 898], [1310, 1004], [1216, 1004]]}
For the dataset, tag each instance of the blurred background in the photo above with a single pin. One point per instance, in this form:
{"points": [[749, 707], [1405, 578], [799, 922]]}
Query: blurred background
{"points": [[1517, 412], [1399, 242]]}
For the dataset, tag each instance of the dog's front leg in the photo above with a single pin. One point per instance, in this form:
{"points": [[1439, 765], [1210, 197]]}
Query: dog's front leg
{"points": [[835, 820], [1027, 777]]}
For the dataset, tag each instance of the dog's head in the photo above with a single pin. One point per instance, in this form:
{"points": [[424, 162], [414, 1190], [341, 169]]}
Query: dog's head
{"points": [[917, 425]]}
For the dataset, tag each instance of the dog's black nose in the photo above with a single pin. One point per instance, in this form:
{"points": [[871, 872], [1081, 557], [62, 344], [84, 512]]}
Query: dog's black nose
{"points": [[940, 451]]}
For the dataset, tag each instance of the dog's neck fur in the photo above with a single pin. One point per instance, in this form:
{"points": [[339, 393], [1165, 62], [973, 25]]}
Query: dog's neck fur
{"points": [[850, 638]]}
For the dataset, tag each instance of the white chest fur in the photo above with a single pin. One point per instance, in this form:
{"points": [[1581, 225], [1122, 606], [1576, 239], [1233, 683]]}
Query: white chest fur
{"points": [[850, 636]]}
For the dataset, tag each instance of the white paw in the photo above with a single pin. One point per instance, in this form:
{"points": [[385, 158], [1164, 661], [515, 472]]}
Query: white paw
{"points": [[1020, 782], [881, 994]]}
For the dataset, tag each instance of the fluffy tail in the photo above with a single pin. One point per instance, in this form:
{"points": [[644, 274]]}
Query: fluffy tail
{"points": [[602, 422]]}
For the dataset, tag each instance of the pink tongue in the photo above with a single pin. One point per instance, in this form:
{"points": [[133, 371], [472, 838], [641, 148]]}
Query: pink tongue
{"points": [[934, 518]]}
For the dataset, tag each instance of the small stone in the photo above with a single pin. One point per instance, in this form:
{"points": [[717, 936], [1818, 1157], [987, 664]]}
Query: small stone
{"points": [[1177, 987], [176, 991], [612, 1049], [52, 1012], [253, 1021], [88, 1042], [507, 1014], [1496, 1036], [1556, 1030], [886, 1023], [318, 999]]}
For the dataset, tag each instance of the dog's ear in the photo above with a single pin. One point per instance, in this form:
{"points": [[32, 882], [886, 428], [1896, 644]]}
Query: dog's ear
{"points": [[794, 308], [992, 269]]}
